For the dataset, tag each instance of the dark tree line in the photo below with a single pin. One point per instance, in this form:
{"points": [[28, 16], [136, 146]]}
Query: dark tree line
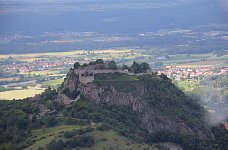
{"points": [[135, 67]]}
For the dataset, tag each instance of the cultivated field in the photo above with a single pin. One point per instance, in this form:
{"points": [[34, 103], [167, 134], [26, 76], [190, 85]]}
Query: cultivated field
{"points": [[53, 82], [195, 59], [42, 73], [33, 56], [207, 62], [19, 94]]}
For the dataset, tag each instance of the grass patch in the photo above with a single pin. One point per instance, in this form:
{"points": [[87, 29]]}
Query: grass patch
{"points": [[53, 82], [121, 82], [103, 139], [114, 77], [42, 73], [49, 134], [208, 62], [187, 85], [121, 86], [111, 140]]}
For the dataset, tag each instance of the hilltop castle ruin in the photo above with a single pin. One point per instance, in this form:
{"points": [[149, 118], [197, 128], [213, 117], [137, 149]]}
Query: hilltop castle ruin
{"points": [[80, 76], [86, 74]]}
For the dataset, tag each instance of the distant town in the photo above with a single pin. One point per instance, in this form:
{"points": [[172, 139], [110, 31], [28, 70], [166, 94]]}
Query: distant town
{"points": [[33, 73], [38, 65], [58, 63], [193, 72]]}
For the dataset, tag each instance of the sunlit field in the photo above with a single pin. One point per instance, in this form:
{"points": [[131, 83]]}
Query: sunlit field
{"points": [[19, 94]]}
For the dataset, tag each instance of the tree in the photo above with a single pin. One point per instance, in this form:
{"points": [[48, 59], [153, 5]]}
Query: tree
{"points": [[163, 76], [50, 105], [99, 61], [76, 65], [144, 67], [91, 63], [50, 121], [112, 65], [136, 67], [84, 65]]}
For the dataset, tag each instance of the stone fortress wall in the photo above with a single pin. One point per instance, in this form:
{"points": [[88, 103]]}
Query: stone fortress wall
{"points": [[86, 75]]}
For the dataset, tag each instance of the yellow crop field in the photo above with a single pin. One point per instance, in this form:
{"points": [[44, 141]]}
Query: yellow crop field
{"points": [[45, 72], [19, 94], [32, 56], [208, 62], [53, 82]]}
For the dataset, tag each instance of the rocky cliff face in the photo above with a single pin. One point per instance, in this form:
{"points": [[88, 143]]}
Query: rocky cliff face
{"points": [[72, 81], [150, 119], [69, 89]]}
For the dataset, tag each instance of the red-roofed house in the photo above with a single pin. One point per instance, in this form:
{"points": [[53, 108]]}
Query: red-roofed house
{"points": [[226, 125]]}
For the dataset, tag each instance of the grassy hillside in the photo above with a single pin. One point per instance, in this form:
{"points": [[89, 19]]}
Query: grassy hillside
{"points": [[44, 136], [112, 140], [103, 140]]}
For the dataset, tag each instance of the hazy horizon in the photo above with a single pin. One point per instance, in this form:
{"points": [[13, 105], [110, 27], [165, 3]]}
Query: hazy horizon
{"points": [[107, 17]]}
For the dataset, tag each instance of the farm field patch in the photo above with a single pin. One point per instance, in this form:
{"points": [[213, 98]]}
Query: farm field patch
{"points": [[19, 94]]}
